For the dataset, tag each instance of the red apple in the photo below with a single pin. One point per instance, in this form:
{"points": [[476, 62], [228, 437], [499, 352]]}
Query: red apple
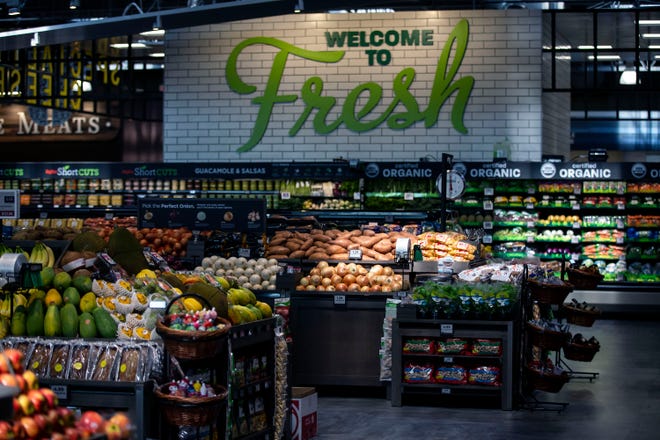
{"points": [[50, 397], [18, 411], [123, 422], [31, 379], [30, 426], [66, 417], [113, 431], [4, 364], [58, 436], [9, 380], [19, 431], [27, 407], [16, 358], [22, 383], [54, 420], [92, 421], [6, 430], [38, 400], [42, 422], [71, 433]]}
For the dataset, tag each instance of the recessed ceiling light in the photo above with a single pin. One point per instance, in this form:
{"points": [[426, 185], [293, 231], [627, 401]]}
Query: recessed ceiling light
{"points": [[126, 45], [651, 35], [157, 54], [649, 22], [605, 57], [159, 33], [590, 47]]}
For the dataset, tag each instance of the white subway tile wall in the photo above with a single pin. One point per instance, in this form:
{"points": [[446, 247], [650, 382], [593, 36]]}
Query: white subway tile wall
{"points": [[206, 121]]}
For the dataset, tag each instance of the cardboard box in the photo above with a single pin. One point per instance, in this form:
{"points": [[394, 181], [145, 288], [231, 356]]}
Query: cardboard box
{"points": [[304, 403]]}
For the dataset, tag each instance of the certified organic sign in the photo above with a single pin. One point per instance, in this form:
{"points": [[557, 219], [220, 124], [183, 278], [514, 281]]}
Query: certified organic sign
{"points": [[401, 113]]}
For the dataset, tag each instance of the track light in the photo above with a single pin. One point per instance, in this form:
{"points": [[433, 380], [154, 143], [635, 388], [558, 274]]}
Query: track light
{"points": [[157, 24], [300, 6], [74, 4], [13, 7]]}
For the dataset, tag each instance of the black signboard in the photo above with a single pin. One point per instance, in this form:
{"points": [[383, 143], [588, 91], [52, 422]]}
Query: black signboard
{"points": [[231, 215], [402, 170], [313, 171]]}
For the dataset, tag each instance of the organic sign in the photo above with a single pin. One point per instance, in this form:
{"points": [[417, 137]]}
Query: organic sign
{"points": [[353, 118]]}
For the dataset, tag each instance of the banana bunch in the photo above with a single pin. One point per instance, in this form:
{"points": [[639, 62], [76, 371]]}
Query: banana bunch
{"points": [[5, 308], [43, 254], [4, 327], [4, 249]]}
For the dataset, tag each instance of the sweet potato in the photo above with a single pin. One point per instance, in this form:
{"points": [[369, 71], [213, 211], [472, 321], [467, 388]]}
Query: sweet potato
{"points": [[339, 256], [297, 254], [335, 249], [383, 246], [311, 250], [281, 250], [293, 245], [278, 256], [321, 237], [319, 256], [343, 242], [368, 232], [277, 241], [307, 244]]}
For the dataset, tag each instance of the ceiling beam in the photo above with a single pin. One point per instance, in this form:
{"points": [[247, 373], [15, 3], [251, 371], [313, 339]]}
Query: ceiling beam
{"points": [[136, 23]]}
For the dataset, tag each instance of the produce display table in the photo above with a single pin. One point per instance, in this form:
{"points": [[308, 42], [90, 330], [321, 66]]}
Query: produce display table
{"points": [[136, 398], [336, 338], [503, 331]]}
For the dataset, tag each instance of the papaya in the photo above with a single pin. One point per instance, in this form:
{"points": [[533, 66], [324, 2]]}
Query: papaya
{"points": [[88, 302], [82, 283], [52, 321], [69, 317], [19, 322], [61, 281], [35, 318], [47, 276], [265, 309], [71, 296], [105, 325], [87, 325]]}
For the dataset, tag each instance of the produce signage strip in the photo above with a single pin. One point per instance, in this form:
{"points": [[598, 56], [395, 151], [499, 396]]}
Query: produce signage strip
{"points": [[241, 215]]}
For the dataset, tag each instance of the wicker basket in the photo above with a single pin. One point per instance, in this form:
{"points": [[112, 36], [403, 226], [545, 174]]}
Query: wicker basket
{"points": [[184, 344], [583, 280], [548, 339], [549, 293], [581, 317], [580, 352], [550, 383], [191, 411]]}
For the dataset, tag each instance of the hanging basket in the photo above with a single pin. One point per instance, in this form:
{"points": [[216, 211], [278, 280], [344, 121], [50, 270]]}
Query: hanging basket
{"points": [[580, 352], [549, 293], [550, 383], [581, 317], [548, 339], [582, 279], [184, 344], [191, 411]]}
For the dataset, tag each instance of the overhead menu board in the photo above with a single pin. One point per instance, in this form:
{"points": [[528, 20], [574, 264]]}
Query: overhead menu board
{"points": [[232, 215]]}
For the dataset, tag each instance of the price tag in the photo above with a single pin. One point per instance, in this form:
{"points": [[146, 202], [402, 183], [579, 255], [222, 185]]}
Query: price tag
{"points": [[78, 206], [408, 196], [61, 391], [531, 190], [445, 391], [489, 191], [619, 240], [575, 207], [43, 214], [449, 360], [40, 206], [488, 239], [577, 190], [109, 216], [575, 239], [488, 205], [576, 225], [357, 196], [488, 225], [285, 195], [244, 252], [56, 206], [531, 224], [529, 206], [447, 329], [158, 304], [620, 190], [530, 239], [402, 294], [339, 299], [620, 206], [355, 254], [619, 223]]}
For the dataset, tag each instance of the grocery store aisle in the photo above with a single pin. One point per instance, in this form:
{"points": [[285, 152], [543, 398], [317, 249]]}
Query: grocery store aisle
{"points": [[622, 403]]}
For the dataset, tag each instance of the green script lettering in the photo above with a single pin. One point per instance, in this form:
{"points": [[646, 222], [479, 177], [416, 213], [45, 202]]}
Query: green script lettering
{"points": [[444, 86]]}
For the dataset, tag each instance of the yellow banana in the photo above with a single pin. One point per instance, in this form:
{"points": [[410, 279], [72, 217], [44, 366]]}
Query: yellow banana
{"points": [[4, 327], [51, 256], [5, 309], [19, 300]]}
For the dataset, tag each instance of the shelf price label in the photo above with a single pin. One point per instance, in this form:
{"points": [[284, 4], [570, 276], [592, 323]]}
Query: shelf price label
{"points": [[488, 225], [531, 190], [488, 205], [489, 191], [531, 224], [576, 225], [244, 252], [619, 240], [357, 196], [109, 216], [445, 391], [577, 190], [529, 206], [575, 239], [61, 391], [355, 254], [575, 206], [408, 196], [488, 239], [285, 195], [530, 239], [339, 300], [43, 214], [447, 329], [620, 206], [448, 360]]}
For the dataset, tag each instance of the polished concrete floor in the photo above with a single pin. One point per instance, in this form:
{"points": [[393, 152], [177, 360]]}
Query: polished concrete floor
{"points": [[622, 403]]}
